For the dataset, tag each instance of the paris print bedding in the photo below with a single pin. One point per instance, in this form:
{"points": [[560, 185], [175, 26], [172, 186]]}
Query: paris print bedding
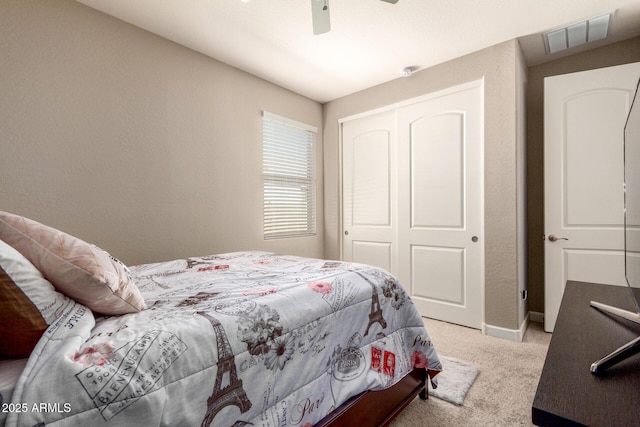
{"points": [[246, 338]]}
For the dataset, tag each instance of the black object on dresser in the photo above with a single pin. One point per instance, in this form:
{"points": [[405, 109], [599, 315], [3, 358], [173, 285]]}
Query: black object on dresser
{"points": [[568, 393]]}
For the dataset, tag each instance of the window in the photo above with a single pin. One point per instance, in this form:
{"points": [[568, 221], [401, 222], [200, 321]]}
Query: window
{"points": [[288, 163]]}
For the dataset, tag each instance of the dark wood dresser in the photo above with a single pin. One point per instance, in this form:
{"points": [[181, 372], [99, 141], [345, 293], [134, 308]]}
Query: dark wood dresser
{"points": [[568, 393]]}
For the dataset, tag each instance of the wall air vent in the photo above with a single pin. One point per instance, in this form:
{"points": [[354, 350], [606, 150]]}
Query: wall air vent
{"points": [[596, 28]]}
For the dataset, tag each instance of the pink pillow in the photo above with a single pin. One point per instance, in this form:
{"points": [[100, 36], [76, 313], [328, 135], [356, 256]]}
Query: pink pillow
{"points": [[77, 269]]}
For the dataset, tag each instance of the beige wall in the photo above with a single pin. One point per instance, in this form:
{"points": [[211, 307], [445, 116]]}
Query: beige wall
{"points": [[153, 151], [497, 65], [616, 54], [132, 142]]}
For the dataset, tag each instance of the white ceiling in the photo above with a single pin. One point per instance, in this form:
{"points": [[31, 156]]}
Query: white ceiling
{"points": [[370, 40]]}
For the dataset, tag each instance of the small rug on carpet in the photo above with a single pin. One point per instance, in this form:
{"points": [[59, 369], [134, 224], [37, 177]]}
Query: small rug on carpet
{"points": [[454, 381]]}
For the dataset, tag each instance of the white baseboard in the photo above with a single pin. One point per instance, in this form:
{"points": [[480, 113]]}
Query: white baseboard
{"points": [[509, 334]]}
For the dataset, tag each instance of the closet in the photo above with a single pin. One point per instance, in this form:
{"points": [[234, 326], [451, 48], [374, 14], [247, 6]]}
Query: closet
{"points": [[412, 198]]}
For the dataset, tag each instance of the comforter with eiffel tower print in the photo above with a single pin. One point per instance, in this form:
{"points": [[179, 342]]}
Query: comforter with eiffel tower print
{"points": [[245, 338]]}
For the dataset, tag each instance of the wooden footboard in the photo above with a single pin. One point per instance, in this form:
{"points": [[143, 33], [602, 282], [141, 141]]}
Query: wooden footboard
{"points": [[378, 408]]}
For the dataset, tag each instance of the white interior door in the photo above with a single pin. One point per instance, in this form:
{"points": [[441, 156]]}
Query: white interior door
{"points": [[440, 214], [584, 120], [370, 191], [412, 199]]}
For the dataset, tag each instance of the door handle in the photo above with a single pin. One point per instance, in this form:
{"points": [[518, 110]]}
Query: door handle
{"points": [[553, 238]]}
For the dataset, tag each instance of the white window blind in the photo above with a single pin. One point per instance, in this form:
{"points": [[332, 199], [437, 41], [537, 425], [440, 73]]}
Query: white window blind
{"points": [[288, 175]]}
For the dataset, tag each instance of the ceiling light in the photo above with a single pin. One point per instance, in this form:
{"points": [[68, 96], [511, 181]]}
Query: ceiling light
{"points": [[590, 30]]}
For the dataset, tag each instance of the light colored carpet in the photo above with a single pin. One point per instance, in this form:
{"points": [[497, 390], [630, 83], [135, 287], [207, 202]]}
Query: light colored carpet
{"points": [[454, 381], [504, 389]]}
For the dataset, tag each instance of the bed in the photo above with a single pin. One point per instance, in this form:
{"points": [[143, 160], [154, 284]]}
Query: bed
{"points": [[243, 338]]}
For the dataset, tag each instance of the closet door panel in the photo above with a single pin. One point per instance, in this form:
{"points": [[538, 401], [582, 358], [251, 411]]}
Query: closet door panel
{"points": [[437, 179], [371, 193], [369, 161], [440, 232]]}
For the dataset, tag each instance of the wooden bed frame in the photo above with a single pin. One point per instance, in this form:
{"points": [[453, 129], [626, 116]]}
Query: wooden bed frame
{"points": [[378, 408]]}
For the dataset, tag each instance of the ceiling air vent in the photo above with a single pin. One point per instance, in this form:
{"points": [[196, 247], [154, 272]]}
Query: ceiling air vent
{"points": [[596, 28]]}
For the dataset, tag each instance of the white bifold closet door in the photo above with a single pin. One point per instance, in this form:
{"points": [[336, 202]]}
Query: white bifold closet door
{"points": [[412, 185]]}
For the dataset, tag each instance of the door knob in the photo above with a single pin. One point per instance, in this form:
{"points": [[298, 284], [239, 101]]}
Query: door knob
{"points": [[553, 238]]}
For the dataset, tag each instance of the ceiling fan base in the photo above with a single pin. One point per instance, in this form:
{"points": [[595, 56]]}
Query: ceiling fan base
{"points": [[320, 15]]}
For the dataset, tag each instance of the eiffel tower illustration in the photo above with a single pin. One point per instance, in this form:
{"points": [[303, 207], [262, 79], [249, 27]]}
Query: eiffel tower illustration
{"points": [[376, 310], [232, 394]]}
